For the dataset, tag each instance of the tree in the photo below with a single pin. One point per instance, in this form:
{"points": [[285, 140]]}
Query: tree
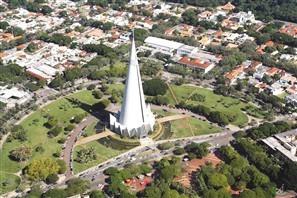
{"points": [[145, 168], [86, 155], [247, 194], [62, 165], [76, 186], [72, 74], [97, 94], [91, 87], [167, 173], [21, 153], [46, 9], [218, 181], [224, 193], [55, 131], [57, 193], [165, 145], [78, 118], [52, 178], [290, 175], [152, 192], [34, 193], [97, 194], [107, 26], [2, 105], [111, 171], [170, 193], [190, 17], [101, 105], [210, 193], [40, 169], [154, 87], [218, 117], [179, 151], [3, 25], [140, 34]]}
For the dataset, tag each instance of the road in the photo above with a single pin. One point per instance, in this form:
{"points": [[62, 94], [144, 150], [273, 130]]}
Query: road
{"points": [[95, 174], [70, 142]]}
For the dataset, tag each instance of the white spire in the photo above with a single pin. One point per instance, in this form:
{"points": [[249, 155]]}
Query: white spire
{"points": [[135, 116]]}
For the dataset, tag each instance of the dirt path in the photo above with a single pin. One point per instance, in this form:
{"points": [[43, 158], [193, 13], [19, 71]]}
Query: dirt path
{"points": [[190, 127], [172, 93], [191, 94], [94, 137], [170, 118]]}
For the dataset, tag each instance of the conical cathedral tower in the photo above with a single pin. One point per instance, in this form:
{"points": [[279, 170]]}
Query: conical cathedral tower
{"points": [[135, 117]]}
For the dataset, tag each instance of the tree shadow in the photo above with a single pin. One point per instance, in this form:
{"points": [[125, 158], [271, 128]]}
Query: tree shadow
{"points": [[102, 115]]}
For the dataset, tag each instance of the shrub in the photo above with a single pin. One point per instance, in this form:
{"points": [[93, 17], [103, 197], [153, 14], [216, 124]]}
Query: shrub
{"points": [[55, 131], [91, 87], [69, 127], [197, 97], [97, 94], [78, 118], [52, 178]]}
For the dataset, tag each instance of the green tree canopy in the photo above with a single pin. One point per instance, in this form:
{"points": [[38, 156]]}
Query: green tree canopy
{"points": [[40, 169], [154, 87]]}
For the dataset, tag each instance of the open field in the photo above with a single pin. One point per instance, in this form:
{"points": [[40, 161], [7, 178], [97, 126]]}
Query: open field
{"points": [[8, 182], [63, 109], [215, 102], [103, 153], [191, 126]]}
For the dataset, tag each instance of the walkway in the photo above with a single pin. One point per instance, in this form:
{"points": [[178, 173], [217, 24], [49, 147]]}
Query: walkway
{"points": [[171, 118], [94, 137]]}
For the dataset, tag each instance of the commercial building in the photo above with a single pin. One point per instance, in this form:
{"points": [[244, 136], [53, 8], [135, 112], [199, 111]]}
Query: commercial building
{"points": [[162, 44], [13, 96], [284, 145]]}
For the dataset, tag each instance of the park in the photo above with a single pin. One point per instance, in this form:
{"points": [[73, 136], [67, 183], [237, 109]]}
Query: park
{"points": [[47, 129]]}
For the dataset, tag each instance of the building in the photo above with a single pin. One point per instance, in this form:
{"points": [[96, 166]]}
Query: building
{"points": [[162, 44], [292, 99], [243, 17], [187, 50], [284, 145], [135, 117], [196, 63], [13, 96]]}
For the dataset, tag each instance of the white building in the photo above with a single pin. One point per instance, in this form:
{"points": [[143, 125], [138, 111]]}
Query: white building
{"points": [[243, 17], [162, 44], [135, 117], [13, 96], [284, 145], [187, 50]]}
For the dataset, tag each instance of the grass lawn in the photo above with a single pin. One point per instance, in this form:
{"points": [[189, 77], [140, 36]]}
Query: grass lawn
{"points": [[8, 182], [255, 112], [118, 87], [191, 126], [162, 113], [103, 153], [282, 95], [216, 102], [90, 130], [62, 109]]}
